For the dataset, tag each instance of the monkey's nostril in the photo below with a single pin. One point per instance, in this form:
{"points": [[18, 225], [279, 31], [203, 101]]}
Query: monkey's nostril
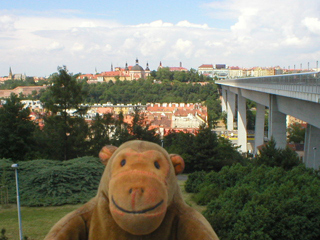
{"points": [[136, 190]]}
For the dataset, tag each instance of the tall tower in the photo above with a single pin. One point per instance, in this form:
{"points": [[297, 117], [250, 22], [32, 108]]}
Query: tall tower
{"points": [[10, 74]]}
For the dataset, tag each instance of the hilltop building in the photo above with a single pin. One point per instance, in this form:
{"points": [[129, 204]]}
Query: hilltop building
{"points": [[11, 76], [172, 69], [219, 71], [127, 73], [222, 71]]}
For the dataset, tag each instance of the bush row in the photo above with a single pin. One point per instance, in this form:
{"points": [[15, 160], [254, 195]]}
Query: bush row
{"points": [[48, 182], [260, 202]]}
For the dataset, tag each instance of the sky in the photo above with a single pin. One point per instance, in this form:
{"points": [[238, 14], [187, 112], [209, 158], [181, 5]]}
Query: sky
{"points": [[37, 36]]}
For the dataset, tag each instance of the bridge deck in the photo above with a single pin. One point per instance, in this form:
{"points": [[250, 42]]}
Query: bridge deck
{"points": [[305, 86]]}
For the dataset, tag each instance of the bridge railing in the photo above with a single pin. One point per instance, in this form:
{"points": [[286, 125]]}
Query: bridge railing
{"points": [[301, 82]]}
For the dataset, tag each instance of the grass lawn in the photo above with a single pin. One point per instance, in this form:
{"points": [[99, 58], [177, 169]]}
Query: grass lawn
{"points": [[37, 221]]}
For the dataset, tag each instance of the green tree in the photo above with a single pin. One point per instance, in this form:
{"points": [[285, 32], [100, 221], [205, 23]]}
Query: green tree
{"points": [[180, 143], [164, 74], [180, 76], [121, 133], [272, 156], [101, 129], [16, 131], [140, 129], [213, 104], [251, 117], [203, 151], [212, 152], [64, 96], [296, 133], [65, 93]]}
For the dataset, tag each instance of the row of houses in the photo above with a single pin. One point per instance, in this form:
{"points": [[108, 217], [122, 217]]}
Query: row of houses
{"points": [[222, 71], [164, 117]]}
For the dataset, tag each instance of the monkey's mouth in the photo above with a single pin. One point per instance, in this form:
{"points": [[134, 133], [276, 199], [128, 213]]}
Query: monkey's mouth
{"points": [[136, 212]]}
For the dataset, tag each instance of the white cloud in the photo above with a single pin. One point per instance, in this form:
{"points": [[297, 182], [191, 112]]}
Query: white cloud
{"points": [[77, 47], [6, 23], [263, 33], [55, 46], [157, 24], [107, 48], [183, 46], [192, 25], [313, 24]]}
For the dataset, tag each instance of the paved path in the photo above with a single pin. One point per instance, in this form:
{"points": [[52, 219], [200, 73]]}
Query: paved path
{"points": [[183, 177]]}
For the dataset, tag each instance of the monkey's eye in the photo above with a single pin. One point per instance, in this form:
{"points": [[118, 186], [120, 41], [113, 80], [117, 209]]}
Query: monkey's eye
{"points": [[123, 162], [157, 165]]}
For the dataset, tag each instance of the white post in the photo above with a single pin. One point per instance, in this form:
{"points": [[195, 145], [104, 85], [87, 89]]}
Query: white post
{"points": [[15, 166]]}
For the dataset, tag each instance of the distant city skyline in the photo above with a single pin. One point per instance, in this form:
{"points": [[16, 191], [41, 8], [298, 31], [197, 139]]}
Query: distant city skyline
{"points": [[38, 36]]}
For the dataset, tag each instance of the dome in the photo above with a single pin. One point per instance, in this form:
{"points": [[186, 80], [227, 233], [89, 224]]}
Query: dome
{"points": [[137, 67]]}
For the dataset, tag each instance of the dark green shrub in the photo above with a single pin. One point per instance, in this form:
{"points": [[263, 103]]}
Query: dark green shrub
{"points": [[207, 193], [194, 181], [272, 156], [47, 182], [212, 184], [204, 151], [267, 203]]}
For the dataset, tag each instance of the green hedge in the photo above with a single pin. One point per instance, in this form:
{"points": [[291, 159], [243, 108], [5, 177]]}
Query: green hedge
{"points": [[250, 202], [48, 182]]}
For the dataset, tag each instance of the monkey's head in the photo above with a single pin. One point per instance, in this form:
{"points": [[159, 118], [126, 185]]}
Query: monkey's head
{"points": [[139, 181]]}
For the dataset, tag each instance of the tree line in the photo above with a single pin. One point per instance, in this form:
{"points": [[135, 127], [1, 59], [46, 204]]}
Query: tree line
{"points": [[64, 137], [273, 196]]}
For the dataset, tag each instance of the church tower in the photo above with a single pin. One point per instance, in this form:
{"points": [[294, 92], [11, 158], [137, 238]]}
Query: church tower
{"points": [[10, 74], [147, 70]]}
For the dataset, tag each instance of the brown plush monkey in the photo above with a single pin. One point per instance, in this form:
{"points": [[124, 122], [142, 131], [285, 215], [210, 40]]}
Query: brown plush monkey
{"points": [[138, 198]]}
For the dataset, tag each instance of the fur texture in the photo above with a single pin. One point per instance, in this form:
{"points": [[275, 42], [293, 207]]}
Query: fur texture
{"points": [[138, 198]]}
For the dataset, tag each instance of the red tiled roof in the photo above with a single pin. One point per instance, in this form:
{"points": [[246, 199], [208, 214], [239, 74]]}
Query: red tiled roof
{"points": [[177, 69], [89, 76], [104, 110], [234, 68], [206, 66], [113, 74]]}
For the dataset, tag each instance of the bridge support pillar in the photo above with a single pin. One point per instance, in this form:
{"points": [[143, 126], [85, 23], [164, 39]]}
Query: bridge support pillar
{"points": [[259, 128], [242, 123], [312, 147], [277, 124], [224, 100], [231, 107]]}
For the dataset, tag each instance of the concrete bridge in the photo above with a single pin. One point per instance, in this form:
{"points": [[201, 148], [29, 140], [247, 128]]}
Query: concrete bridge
{"points": [[297, 95]]}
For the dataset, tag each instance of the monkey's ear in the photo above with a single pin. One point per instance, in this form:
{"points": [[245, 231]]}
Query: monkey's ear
{"points": [[106, 153], [178, 163]]}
